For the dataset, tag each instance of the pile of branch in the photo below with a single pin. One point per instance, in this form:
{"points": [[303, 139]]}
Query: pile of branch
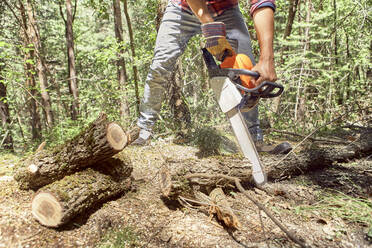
{"points": [[73, 177]]}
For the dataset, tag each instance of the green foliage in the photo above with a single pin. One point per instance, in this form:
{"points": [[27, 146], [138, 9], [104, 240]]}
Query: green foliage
{"points": [[124, 238], [208, 140]]}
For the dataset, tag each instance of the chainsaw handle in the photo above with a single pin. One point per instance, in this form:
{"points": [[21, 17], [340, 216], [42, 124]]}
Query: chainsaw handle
{"points": [[264, 90]]}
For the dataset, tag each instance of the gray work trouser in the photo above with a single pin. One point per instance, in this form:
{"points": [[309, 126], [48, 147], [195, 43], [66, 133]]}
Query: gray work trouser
{"points": [[176, 29]]}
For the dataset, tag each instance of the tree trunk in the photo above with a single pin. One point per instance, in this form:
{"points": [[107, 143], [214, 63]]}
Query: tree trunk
{"points": [[287, 32], [4, 114], [36, 41], [29, 58], [300, 100], [291, 15], [121, 70], [179, 108], [135, 72], [73, 86], [101, 140], [4, 107], [59, 202], [175, 182]]}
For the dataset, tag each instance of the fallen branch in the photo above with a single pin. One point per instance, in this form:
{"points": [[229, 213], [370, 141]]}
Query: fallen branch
{"points": [[312, 139], [289, 234]]}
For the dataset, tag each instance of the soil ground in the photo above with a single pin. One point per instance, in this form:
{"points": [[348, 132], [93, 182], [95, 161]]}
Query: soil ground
{"points": [[326, 208]]}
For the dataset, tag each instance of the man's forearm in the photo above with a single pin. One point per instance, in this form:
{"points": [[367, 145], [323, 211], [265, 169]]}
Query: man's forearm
{"points": [[200, 10], [263, 19]]}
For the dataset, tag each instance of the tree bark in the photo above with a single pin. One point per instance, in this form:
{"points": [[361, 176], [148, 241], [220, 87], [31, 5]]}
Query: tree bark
{"points": [[61, 201], [291, 15], [4, 114], [121, 70], [101, 140], [299, 109], [29, 58], [40, 65], [179, 108], [4, 107], [287, 32], [73, 86], [132, 48]]}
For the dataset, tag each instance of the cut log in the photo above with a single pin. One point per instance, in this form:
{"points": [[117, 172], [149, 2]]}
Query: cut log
{"points": [[101, 140], [57, 203], [277, 167]]}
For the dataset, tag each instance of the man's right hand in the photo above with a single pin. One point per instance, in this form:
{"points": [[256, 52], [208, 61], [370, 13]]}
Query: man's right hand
{"points": [[216, 42]]}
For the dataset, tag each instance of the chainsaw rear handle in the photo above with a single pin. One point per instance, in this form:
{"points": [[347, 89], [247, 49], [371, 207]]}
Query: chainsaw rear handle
{"points": [[264, 90]]}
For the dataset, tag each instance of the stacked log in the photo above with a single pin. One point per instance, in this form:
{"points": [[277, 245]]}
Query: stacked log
{"points": [[57, 203], [101, 140], [79, 174]]}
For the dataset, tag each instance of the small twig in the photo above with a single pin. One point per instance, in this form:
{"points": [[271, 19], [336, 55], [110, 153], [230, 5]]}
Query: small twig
{"points": [[289, 234], [312, 139], [263, 228]]}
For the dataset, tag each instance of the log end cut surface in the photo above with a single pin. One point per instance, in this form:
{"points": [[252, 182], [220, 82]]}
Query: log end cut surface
{"points": [[47, 209], [116, 137]]}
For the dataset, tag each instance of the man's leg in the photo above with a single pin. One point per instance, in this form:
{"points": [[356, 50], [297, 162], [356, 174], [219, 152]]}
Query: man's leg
{"points": [[176, 28]]}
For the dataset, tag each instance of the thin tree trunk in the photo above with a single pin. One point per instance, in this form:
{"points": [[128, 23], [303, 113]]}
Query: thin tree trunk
{"points": [[179, 108], [135, 72], [73, 86], [36, 41], [4, 114], [291, 15], [340, 96], [121, 70], [288, 30], [4, 107], [298, 115], [30, 84]]}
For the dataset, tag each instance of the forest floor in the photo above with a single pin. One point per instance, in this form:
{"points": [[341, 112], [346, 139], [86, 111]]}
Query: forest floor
{"points": [[326, 208]]}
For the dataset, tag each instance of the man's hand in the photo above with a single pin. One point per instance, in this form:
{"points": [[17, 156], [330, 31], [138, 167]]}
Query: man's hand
{"points": [[267, 72], [263, 19], [216, 42]]}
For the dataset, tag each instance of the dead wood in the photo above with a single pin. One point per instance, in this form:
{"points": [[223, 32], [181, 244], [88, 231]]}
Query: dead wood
{"points": [[221, 207], [100, 141], [238, 185], [57, 203], [317, 156]]}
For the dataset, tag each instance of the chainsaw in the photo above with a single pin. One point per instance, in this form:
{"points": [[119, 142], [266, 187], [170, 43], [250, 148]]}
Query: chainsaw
{"points": [[233, 93]]}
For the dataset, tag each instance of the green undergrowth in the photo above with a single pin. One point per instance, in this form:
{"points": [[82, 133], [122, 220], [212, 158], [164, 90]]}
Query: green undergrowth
{"points": [[122, 238], [350, 209]]}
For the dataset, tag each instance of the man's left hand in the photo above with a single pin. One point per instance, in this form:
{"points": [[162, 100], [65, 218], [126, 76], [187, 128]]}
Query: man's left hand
{"points": [[267, 72]]}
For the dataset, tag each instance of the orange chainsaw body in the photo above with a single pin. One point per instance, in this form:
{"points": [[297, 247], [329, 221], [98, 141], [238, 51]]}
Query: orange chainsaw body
{"points": [[239, 61]]}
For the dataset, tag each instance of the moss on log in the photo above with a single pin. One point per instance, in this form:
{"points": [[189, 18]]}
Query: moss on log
{"points": [[59, 202], [101, 140]]}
